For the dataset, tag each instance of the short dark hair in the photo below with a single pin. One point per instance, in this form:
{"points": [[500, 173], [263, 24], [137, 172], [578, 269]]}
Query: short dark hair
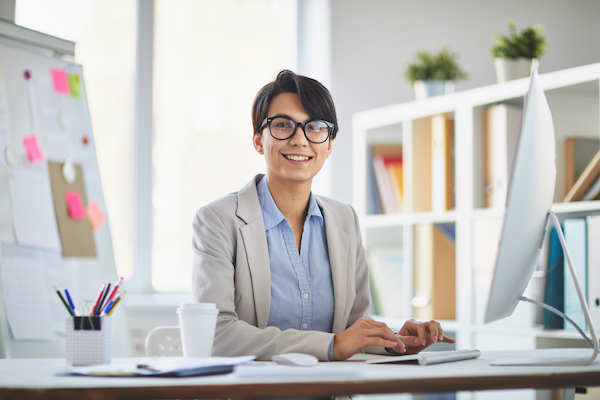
{"points": [[315, 99]]}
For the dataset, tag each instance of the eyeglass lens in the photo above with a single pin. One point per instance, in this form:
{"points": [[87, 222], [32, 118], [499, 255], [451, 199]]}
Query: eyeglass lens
{"points": [[316, 131]]}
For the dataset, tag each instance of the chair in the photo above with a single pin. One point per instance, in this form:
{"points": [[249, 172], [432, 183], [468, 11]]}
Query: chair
{"points": [[164, 341]]}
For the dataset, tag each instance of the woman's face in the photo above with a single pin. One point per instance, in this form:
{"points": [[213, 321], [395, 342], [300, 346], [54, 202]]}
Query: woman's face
{"points": [[295, 159]]}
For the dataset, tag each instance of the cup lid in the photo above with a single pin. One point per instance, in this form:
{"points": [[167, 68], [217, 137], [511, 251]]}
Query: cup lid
{"points": [[197, 306]]}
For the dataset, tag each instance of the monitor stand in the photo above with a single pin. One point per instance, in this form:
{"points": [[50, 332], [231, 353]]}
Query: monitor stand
{"points": [[586, 312]]}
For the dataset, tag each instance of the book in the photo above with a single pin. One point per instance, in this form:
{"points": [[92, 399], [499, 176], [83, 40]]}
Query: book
{"points": [[593, 262], [388, 171], [575, 236], [442, 159], [386, 268], [578, 153], [434, 276], [554, 291], [502, 127], [421, 165], [585, 180]]}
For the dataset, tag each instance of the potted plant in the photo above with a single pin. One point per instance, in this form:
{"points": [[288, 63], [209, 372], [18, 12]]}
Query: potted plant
{"points": [[434, 74], [518, 53]]}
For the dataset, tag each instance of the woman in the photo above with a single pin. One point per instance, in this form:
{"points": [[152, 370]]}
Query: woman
{"points": [[286, 268]]}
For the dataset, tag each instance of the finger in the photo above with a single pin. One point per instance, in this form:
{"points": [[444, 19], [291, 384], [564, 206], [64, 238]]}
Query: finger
{"points": [[385, 334], [410, 341], [379, 325], [380, 342], [421, 333], [440, 332], [433, 330], [448, 339]]}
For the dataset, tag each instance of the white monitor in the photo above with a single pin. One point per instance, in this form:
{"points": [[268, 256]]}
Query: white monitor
{"points": [[528, 204]]}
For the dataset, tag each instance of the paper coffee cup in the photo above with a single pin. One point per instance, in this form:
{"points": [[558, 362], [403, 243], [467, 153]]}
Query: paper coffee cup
{"points": [[197, 323]]}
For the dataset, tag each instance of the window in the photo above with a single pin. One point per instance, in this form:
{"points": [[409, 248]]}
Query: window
{"points": [[211, 57], [105, 33]]}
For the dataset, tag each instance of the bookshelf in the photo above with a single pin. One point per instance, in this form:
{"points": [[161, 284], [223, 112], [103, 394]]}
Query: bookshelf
{"points": [[573, 95]]}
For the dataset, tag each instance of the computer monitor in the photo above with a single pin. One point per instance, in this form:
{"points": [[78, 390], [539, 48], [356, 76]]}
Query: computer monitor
{"points": [[528, 204]]}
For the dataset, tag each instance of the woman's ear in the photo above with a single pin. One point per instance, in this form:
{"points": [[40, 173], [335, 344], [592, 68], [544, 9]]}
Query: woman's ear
{"points": [[257, 140], [329, 147]]}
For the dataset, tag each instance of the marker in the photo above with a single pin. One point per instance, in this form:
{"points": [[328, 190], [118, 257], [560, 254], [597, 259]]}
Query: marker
{"points": [[97, 301], [102, 299], [117, 285], [63, 301], [116, 303], [70, 300]]}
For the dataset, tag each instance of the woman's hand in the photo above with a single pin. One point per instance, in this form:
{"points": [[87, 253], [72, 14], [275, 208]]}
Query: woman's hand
{"points": [[418, 335], [364, 333]]}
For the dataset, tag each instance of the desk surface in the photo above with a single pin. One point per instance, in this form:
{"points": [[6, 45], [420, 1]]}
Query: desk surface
{"points": [[34, 378]]}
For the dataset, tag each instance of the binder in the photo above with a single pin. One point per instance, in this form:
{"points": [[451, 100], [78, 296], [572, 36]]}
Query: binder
{"points": [[554, 293], [575, 236], [593, 256]]}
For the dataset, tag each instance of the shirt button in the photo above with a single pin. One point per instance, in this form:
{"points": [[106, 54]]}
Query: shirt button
{"points": [[304, 326], [305, 295]]}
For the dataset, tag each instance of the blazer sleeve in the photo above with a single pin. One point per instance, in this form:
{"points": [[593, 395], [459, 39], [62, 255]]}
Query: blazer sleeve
{"points": [[215, 246]]}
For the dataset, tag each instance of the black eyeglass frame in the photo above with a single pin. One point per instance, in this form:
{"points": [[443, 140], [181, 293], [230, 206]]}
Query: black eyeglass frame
{"points": [[302, 125]]}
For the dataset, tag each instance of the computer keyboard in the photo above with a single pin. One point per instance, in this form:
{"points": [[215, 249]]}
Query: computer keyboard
{"points": [[428, 358]]}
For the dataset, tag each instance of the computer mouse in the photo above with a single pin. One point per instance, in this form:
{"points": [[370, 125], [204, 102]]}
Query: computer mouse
{"points": [[298, 359]]}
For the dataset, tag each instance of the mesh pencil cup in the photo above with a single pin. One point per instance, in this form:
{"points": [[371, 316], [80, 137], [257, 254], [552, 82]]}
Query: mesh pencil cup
{"points": [[89, 340]]}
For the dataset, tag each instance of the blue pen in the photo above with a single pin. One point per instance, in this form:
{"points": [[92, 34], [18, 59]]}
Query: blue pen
{"points": [[107, 308], [70, 301]]}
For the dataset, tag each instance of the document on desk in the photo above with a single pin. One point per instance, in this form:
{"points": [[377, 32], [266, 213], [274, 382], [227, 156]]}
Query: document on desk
{"points": [[25, 295], [172, 367]]}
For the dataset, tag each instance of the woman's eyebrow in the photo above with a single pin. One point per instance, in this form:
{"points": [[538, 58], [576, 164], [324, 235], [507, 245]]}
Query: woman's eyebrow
{"points": [[282, 115]]}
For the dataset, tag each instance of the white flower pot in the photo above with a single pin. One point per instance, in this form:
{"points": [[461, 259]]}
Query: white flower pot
{"points": [[508, 69], [426, 89]]}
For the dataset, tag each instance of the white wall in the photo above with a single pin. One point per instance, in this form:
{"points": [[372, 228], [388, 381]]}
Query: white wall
{"points": [[372, 41]]}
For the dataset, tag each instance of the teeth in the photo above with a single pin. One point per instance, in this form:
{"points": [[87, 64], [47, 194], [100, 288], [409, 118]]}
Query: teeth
{"points": [[297, 158]]}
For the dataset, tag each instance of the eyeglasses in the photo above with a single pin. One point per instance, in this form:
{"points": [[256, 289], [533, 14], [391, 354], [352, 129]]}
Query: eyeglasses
{"points": [[283, 128]]}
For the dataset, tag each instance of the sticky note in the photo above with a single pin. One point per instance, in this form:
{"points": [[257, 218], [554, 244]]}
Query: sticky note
{"points": [[60, 81], [75, 85], [95, 215], [74, 205], [34, 153]]}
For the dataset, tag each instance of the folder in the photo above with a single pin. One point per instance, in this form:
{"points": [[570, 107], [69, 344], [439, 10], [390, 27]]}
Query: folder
{"points": [[593, 256], [575, 236]]}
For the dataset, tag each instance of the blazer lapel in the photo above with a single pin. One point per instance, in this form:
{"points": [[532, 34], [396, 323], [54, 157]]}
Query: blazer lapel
{"points": [[257, 252], [337, 244]]}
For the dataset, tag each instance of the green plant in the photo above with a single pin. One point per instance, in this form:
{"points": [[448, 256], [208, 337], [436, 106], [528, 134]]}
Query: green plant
{"points": [[435, 67], [529, 43]]}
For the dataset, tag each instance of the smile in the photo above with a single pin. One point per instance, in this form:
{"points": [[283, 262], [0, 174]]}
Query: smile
{"points": [[297, 158]]}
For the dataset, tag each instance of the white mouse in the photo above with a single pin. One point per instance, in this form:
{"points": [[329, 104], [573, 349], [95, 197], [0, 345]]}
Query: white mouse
{"points": [[298, 359]]}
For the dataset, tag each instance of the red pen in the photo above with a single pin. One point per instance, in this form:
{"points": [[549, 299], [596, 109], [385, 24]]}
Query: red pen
{"points": [[117, 285], [102, 289]]}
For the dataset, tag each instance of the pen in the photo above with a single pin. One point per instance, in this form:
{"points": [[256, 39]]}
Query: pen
{"points": [[111, 304], [114, 292], [97, 301], [63, 301], [70, 300], [102, 299], [116, 303]]}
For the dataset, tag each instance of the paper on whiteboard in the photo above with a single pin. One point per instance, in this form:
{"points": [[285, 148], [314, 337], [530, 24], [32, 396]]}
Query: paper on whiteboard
{"points": [[60, 271], [4, 120], [25, 295], [32, 206]]}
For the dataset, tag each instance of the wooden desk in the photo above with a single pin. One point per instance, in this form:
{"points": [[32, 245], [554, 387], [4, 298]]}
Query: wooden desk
{"points": [[34, 379]]}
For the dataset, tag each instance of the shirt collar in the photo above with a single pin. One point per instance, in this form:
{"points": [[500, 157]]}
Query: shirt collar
{"points": [[271, 214]]}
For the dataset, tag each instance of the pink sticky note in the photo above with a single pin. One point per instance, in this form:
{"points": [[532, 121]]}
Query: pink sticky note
{"points": [[34, 153], [74, 205], [60, 81], [95, 215]]}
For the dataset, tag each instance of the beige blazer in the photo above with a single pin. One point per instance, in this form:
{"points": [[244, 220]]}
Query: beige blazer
{"points": [[231, 269]]}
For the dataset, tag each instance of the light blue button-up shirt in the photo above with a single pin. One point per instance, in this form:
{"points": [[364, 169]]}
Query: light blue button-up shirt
{"points": [[301, 284]]}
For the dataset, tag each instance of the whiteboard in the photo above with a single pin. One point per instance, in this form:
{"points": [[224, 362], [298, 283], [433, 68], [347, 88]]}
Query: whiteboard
{"points": [[89, 273]]}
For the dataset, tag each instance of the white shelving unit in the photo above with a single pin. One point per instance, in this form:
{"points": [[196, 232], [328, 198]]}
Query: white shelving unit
{"points": [[573, 96]]}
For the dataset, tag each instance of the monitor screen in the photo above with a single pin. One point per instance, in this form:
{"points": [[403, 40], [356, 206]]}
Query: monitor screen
{"points": [[529, 199]]}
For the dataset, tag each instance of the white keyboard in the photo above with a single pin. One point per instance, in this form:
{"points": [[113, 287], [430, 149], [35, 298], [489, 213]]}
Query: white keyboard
{"points": [[427, 358]]}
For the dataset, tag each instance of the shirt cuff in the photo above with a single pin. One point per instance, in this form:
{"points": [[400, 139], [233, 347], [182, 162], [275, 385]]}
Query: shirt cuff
{"points": [[330, 350]]}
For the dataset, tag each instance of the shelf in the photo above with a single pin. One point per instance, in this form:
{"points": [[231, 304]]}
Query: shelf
{"points": [[576, 206], [387, 220]]}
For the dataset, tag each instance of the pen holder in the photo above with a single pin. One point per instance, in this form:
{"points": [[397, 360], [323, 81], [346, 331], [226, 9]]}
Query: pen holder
{"points": [[89, 340]]}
